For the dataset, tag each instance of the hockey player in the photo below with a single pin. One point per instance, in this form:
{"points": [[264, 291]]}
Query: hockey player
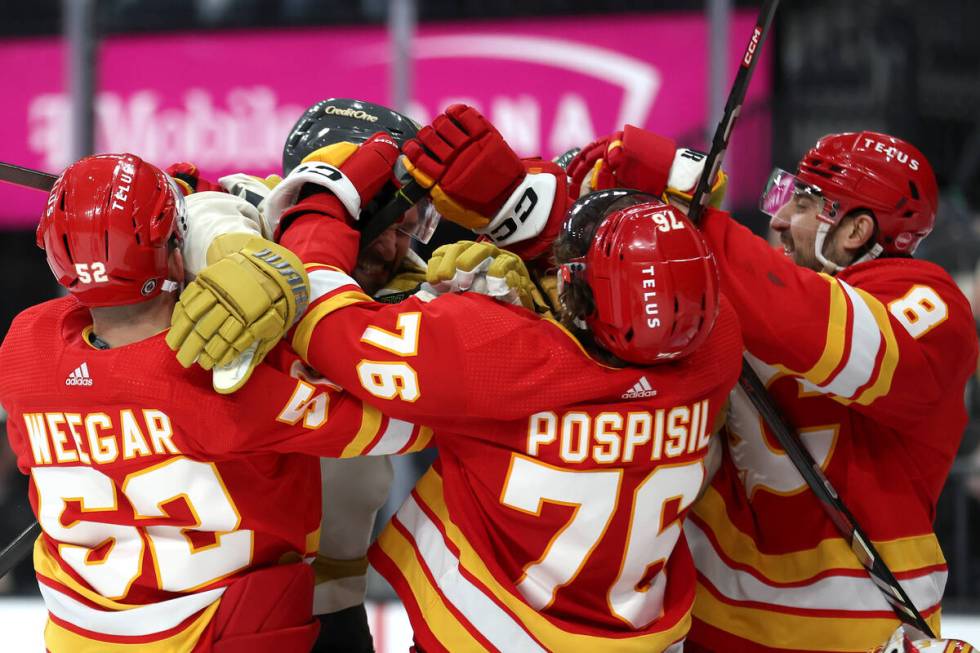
{"points": [[173, 519], [551, 520], [867, 351], [354, 489]]}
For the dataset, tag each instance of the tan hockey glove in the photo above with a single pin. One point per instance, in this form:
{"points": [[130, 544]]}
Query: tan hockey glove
{"points": [[242, 303], [486, 269]]}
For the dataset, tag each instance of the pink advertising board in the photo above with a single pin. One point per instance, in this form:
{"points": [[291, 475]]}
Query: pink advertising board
{"points": [[226, 100]]}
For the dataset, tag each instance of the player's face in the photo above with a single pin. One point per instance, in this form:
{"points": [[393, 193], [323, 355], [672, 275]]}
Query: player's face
{"points": [[796, 225], [377, 264]]}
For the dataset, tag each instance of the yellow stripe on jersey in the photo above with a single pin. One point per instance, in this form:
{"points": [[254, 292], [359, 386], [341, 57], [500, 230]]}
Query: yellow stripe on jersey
{"points": [[421, 441], [370, 425], [796, 632], [46, 565], [304, 330], [439, 619], [836, 335], [312, 543], [430, 491], [886, 369], [904, 554], [58, 638]]}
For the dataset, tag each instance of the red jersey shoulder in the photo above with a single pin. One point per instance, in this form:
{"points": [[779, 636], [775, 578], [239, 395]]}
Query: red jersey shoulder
{"points": [[922, 298]]}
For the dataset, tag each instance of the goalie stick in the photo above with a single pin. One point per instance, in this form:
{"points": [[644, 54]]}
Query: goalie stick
{"points": [[755, 389]]}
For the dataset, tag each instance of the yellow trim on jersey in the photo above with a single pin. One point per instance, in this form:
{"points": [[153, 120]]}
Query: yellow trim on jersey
{"points": [[430, 491], [564, 330], [886, 369], [304, 330], [312, 543], [796, 632], [439, 619], [370, 425], [312, 267], [422, 441], [903, 554], [86, 331], [836, 335], [47, 565], [58, 638]]}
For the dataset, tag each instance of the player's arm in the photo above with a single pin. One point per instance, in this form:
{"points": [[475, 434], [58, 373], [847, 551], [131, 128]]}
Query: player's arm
{"points": [[301, 413], [866, 339]]}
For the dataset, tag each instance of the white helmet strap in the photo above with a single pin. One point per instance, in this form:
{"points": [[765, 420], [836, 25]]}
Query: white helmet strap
{"points": [[829, 266]]}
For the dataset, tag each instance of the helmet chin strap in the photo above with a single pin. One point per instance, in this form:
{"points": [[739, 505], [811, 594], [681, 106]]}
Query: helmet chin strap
{"points": [[829, 266], [169, 285]]}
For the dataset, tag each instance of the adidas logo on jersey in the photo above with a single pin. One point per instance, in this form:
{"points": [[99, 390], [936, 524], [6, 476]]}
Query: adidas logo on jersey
{"points": [[79, 376], [641, 388]]}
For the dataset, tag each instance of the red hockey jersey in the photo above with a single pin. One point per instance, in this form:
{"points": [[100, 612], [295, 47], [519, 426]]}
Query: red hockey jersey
{"points": [[157, 495], [870, 367], [552, 518]]}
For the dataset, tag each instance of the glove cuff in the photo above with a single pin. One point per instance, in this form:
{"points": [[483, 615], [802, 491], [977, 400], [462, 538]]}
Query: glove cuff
{"points": [[650, 167], [317, 173], [286, 270], [525, 213]]}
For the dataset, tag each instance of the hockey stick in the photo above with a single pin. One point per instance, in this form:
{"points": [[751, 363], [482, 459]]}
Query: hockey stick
{"points": [[406, 197], [788, 438], [26, 177], [19, 548]]}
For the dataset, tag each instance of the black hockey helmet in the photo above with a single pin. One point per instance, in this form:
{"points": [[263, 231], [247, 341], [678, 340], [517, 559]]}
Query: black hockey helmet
{"points": [[335, 120]]}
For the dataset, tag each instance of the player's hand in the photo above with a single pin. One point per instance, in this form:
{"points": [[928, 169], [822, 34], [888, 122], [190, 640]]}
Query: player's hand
{"points": [[632, 158], [483, 268], [353, 174], [188, 177], [242, 303], [640, 159], [465, 163]]}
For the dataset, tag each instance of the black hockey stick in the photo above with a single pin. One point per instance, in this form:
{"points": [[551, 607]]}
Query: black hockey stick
{"points": [[19, 548], [375, 223], [753, 386], [26, 177]]}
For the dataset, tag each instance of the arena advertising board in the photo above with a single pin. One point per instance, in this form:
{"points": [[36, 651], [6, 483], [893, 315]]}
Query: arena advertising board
{"points": [[225, 100]]}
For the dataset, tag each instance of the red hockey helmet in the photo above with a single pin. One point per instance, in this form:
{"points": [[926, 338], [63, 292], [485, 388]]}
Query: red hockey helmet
{"points": [[652, 282], [880, 173], [106, 228]]}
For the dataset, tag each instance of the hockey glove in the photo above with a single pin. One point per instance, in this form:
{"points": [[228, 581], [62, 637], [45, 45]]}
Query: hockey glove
{"points": [[465, 163], [188, 177], [483, 268], [640, 159], [243, 302], [351, 173]]}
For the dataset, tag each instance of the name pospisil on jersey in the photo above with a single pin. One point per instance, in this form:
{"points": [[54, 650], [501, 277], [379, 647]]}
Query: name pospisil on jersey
{"points": [[79, 376]]}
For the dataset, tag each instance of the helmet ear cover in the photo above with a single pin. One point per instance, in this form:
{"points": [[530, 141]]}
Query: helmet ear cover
{"points": [[637, 274]]}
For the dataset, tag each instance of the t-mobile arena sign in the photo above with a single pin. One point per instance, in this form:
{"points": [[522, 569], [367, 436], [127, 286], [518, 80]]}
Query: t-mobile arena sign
{"points": [[226, 101]]}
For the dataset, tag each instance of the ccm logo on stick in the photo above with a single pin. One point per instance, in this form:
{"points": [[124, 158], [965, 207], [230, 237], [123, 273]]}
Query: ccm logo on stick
{"points": [[753, 44]]}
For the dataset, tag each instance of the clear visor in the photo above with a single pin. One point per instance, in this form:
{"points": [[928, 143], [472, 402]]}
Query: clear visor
{"points": [[420, 222], [786, 195]]}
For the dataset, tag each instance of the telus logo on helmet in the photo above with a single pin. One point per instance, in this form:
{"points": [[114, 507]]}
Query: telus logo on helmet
{"points": [[651, 307], [891, 152]]}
